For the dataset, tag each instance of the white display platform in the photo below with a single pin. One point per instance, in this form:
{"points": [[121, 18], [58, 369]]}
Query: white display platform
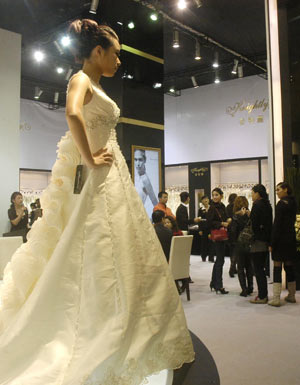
{"points": [[165, 377]]}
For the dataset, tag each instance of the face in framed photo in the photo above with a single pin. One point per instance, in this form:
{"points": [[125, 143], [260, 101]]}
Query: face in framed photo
{"points": [[146, 174]]}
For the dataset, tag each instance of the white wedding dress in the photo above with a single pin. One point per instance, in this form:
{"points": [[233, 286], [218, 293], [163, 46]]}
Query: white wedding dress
{"points": [[89, 299]]}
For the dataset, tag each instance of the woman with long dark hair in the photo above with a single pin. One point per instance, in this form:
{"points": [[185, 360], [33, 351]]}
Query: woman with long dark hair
{"points": [[261, 220], [218, 218], [283, 243], [171, 224], [18, 215], [90, 299]]}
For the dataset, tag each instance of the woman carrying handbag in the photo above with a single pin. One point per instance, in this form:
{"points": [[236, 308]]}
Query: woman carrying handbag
{"points": [[218, 222]]}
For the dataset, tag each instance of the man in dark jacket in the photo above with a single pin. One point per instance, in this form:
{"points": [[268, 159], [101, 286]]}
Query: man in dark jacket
{"points": [[182, 215], [163, 233]]}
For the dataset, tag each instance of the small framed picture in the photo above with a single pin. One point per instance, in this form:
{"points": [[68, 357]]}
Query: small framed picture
{"points": [[146, 174]]}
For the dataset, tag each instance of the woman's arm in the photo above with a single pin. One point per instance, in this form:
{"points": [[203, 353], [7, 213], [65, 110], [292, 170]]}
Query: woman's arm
{"points": [[78, 92], [149, 189], [14, 218]]}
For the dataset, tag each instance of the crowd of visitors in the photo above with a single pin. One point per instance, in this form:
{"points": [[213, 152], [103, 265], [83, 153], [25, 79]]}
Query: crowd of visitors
{"points": [[247, 237]]}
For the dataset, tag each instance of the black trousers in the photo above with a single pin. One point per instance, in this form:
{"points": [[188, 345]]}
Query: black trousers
{"points": [[244, 268], [206, 247], [259, 263], [217, 273]]}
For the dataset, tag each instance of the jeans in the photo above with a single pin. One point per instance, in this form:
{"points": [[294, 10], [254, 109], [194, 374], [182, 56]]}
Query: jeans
{"points": [[217, 273], [259, 263]]}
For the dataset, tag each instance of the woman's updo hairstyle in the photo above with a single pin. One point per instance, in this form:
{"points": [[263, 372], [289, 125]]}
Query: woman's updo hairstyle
{"points": [[261, 190], [86, 34], [218, 190]]}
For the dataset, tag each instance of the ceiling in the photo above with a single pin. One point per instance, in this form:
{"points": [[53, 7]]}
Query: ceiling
{"points": [[237, 25]]}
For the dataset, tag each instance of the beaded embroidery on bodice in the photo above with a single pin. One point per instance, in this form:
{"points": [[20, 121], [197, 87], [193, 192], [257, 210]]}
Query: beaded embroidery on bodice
{"points": [[101, 116]]}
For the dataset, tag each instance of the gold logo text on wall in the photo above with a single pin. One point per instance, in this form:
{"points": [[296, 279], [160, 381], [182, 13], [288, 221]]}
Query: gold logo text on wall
{"points": [[259, 106], [199, 171]]}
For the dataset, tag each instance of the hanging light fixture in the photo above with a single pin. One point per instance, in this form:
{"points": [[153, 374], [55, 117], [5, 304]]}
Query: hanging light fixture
{"points": [[194, 81], [216, 60], [198, 3], [37, 92], [181, 4], [58, 47], [235, 67], [240, 71], [154, 17], [65, 41], [39, 56], [176, 38], [217, 79], [131, 25], [69, 73], [197, 51], [94, 6], [56, 97]]}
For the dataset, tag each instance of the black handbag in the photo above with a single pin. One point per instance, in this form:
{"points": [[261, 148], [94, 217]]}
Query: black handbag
{"points": [[246, 237]]}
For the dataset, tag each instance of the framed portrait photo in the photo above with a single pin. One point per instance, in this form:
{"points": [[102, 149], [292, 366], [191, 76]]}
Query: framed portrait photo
{"points": [[146, 174]]}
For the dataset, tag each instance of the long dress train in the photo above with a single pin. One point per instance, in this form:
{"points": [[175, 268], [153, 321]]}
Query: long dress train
{"points": [[89, 299]]}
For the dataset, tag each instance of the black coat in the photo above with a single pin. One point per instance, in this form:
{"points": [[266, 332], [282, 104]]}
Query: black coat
{"points": [[203, 225], [182, 217], [283, 240], [237, 225], [215, 215], [165, 238], [261, 219]]}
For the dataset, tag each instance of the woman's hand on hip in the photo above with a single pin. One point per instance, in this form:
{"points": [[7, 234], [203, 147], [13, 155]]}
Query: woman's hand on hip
{"points": [[102, 158]]}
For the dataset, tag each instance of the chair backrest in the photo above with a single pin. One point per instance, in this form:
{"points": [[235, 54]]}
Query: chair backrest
{"points": [[180, 253], [8, 245], [184, 232]]}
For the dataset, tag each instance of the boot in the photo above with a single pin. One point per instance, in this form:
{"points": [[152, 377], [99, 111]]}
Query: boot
{"points": [[242, 280], [292, 291], [276, 294]]}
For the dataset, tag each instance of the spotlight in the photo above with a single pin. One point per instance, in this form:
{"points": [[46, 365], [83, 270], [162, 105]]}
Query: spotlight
{"points": [[37, 92], [176, 38], [153, 17], [181, 4], [240, 71], [198, 3], [131, 25], [39, 56], [194, 81], [119, 22], [59, 70], [216, 60], [197, 51], [157, 85], [65, 41], [129, 76], [172, 90], [235, 67], [69, 73], [58, 47], [217, 79], [56, 96], [94, 6]]}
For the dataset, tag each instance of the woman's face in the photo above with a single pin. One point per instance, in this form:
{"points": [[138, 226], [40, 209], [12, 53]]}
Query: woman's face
{"points": [[216, 197], [205, 202], [168, 223], [18, 200], [109, 58], [255, 195], [281, 192]]}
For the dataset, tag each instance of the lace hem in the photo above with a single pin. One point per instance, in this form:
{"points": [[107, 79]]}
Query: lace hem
{"points": [[168, 356], [19, 277]]}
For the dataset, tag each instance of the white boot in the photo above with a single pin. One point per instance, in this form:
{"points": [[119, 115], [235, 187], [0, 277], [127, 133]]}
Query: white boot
{"points": [[292, 291], [276, 294]]}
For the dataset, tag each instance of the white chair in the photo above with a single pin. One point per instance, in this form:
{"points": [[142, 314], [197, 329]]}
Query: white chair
{"points": [[179, 260], [8, 245]]}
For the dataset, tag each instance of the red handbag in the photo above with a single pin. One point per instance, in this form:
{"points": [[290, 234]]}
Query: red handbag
{"points": [[220, 234]]}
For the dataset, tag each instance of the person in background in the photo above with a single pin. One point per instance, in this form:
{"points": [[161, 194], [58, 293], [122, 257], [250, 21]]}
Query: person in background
{"points": [[206, 243], [239, 220], [261, 221], [18, 215], [171, 224], [163, 233], [31, 216], [162, 204], [217, 218], [229, 211], [182, 215], [283, 243]]}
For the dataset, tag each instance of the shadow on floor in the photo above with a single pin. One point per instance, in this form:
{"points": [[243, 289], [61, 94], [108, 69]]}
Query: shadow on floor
{"points": [[203, 371]]}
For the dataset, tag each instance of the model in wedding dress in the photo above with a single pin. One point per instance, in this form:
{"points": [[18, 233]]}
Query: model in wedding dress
{"points": [[89, 299]]}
